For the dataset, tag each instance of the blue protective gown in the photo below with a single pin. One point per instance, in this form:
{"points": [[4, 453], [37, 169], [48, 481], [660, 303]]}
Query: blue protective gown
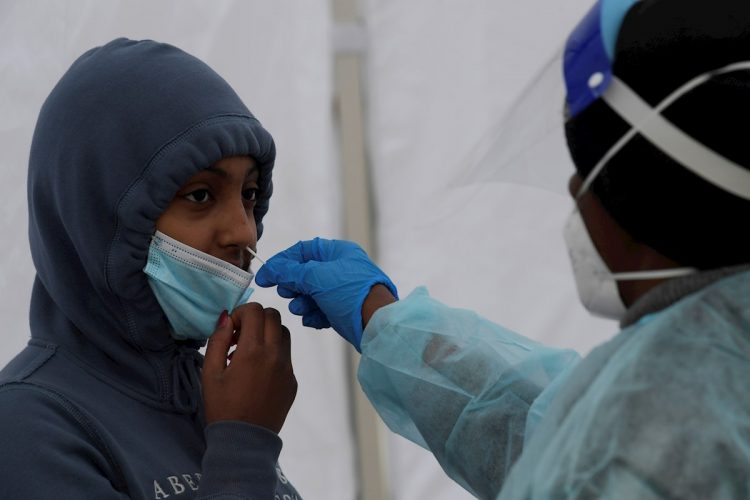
{"points": [[661, 411]]}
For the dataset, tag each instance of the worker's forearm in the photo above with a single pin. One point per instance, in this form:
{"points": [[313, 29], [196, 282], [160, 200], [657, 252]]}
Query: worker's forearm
{"points": [[378, 297]]}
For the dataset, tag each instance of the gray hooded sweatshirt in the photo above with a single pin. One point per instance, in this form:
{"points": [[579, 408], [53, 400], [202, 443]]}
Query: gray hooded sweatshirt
{"points": [[103, 403]]}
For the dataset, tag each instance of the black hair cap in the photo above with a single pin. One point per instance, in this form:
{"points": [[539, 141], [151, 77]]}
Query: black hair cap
{"points": [[663, 44]]}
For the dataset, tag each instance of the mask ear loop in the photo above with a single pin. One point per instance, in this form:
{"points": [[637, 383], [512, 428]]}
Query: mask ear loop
{"points": [[660, 274]]}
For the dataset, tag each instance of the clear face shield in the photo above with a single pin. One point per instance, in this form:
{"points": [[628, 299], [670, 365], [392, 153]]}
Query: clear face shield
{"points": [[528, 146]]}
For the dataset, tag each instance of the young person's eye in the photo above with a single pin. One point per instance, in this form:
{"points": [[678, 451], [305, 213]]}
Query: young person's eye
{"points": [[250, 194], [198, 196]]}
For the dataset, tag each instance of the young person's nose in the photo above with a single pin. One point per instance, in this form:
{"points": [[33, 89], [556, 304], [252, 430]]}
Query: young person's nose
{"points": [[237, 227]]}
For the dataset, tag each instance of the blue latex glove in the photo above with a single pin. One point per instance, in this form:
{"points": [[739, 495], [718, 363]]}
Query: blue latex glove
{"points": [[328, 281]]}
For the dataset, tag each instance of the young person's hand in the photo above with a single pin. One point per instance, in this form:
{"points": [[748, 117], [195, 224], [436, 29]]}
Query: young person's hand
{"points": [[258, 385]]}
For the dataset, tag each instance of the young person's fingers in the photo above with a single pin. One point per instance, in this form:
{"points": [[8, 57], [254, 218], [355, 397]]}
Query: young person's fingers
{"points": [[249, 321], [219, 344], [273, 332]]}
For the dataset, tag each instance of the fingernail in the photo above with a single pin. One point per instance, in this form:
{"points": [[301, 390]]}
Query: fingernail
{"points": [[223, 318]]}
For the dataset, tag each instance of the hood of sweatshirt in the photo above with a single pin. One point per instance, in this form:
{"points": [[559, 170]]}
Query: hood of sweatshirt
{"points": [[124, 128]]}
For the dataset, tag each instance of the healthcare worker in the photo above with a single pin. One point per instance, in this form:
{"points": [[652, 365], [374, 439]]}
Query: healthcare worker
{"points": [[657, 100], [148, 180]]}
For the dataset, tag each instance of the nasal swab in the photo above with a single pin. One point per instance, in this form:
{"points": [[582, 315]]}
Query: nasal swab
{"points": [[252, 252]]}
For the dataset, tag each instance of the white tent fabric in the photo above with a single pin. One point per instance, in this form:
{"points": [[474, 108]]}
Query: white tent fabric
{"points": [[437, 75]]}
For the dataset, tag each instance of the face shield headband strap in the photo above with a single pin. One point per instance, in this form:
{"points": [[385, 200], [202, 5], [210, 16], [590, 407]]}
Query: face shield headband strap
{"points": [[688, 152]]}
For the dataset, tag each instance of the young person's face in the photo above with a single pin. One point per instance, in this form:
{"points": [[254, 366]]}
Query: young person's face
{"points": [[213, 211]]}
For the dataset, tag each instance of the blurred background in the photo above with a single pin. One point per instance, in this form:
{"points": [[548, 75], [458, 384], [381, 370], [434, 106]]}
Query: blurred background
{"points": [[376, 107]]}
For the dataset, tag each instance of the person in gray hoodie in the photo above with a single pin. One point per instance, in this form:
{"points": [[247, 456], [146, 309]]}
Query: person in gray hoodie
{"points": [[148, 182]]}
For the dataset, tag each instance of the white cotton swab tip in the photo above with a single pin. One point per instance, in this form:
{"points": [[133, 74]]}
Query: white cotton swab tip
{"points": [[252, 252]]}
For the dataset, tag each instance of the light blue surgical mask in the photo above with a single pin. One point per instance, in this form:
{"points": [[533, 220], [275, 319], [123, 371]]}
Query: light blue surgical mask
{"points": [[192, 287]]}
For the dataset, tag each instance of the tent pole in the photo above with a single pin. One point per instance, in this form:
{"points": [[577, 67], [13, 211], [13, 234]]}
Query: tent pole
{"points": [[349, 44]]}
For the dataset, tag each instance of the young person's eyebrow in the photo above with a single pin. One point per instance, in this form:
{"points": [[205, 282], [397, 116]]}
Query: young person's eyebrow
{"points": [[223, 173], [252, 171], [217, 171]]}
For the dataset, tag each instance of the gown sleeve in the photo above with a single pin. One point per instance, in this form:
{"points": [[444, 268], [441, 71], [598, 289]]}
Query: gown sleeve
{"points": [[458, 385]]}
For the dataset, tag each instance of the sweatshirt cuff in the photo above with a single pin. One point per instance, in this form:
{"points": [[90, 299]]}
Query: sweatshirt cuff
{"points": [[240, 459]]}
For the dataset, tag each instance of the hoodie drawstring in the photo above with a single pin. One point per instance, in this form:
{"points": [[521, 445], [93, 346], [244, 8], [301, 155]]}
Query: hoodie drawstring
{"points": [[186, 380]]}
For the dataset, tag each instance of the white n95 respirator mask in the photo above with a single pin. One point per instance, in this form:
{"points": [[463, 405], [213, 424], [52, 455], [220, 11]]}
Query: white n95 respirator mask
{"points": [[192, 287], [596, 284]]}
